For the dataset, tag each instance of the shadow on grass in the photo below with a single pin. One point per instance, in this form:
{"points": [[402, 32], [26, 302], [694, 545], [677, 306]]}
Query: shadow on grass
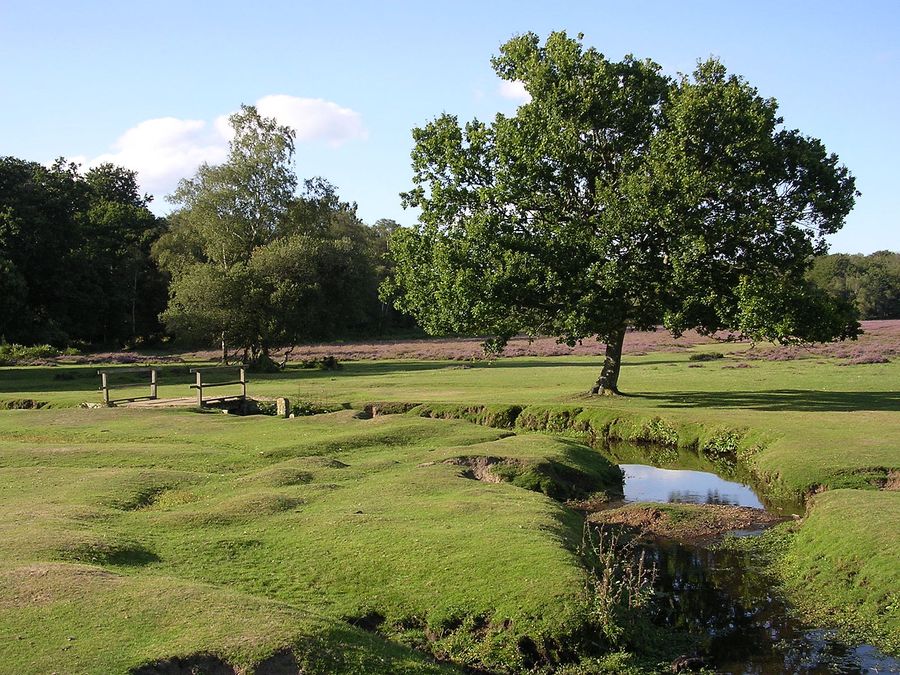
{"points": [[798, 400]]}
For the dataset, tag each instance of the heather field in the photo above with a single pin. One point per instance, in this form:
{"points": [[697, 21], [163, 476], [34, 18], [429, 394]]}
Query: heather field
{"points": [[160, 540], [879, 342]]}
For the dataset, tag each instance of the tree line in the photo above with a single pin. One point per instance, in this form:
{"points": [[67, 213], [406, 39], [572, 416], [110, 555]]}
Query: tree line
{"points": [[247, 261], [871, 283]]}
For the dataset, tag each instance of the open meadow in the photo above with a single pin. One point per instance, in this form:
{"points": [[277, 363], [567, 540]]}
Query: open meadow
{"points": [[150, 540]]}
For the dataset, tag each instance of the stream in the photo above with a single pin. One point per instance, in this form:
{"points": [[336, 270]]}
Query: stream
{"points": [[725, 595]]}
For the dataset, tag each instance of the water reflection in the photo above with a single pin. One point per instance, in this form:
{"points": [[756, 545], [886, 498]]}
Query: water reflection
{"points": [[726, 598], [651, 484]]}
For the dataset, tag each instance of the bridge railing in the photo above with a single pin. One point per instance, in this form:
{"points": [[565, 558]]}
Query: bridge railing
{"points": [[106, 387], [199, 384]]}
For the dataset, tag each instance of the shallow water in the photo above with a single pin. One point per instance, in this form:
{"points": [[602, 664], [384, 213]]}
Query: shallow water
{"points": [[723, 595], [644, 483], [726, 597]]}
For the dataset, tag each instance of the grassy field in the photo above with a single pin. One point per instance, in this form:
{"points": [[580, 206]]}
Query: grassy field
{"points": [[137, 535]]}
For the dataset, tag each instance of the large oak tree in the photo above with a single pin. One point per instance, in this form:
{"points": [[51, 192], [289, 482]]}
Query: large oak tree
{"points": [[619, 198]]}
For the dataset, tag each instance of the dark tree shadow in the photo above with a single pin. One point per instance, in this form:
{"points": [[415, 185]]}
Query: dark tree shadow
{"points": [[801, 400]]}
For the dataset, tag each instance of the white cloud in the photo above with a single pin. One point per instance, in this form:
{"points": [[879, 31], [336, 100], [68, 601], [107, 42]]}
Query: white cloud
{"points": [[514, 90], [166, 149], [314, 119]]}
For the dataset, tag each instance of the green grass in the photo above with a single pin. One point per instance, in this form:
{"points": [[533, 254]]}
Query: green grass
{"points": [[306, 521], [243, 536], [842, 565]]}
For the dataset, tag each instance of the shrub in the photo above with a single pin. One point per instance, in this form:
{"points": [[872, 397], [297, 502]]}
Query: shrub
{"points": [[307, 408], [723, 444], [548, 418], [11, 354], [619, 586], [325, 363], [654, 430], [706, 356]]}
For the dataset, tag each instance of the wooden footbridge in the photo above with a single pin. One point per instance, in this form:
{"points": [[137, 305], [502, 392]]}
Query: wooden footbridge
{"points": [[205, 379]]}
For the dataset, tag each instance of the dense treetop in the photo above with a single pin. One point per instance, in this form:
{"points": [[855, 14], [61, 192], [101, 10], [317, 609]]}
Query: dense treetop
{"points": [[619, 197], [74, 254]]}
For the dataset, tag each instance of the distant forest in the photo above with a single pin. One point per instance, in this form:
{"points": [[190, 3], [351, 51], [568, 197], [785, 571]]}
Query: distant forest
{"points": [[870, 282], [85, 263]]}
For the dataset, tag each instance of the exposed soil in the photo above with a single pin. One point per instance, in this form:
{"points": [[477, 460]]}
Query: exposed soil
{"points": [[280, 663], [478, 468], [208, 664], [21, 404], [685, 522]]}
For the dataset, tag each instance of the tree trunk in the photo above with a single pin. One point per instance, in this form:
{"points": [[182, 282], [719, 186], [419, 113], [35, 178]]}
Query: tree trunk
{"points": [[224, 350], [608, 382]]}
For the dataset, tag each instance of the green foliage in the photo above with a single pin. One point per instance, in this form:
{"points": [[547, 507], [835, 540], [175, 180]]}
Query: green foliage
{"points": [[10, 353], [547, 418], [723, 444], [619, 587], [388, 407], [255, 265], [619, 197], [492, 415], [75, 255], [706, 356], [654, 430], [21, 404], [303, 408], [870, 283]]}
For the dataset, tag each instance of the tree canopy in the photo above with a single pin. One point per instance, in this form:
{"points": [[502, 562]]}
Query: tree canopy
{"points": [[254, 264], [75, 254], [619, 197], [871, 283]]}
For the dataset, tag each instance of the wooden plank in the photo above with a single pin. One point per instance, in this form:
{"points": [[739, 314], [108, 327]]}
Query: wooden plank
{"points": [[218, 384]]}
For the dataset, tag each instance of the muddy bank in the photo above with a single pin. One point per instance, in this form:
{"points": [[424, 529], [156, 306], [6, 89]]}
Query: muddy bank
{"points": [[684, 522]]}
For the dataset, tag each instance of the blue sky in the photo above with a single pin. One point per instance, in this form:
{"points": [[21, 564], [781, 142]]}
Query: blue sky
{"points": [[147, 84]]}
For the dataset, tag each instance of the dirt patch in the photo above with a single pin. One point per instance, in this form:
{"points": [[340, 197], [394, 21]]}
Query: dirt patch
{"points": [[208, 664], [21, 404], [685, 521], [479, 468], [370, 621], [387, 408], [892, 482], [280, 663]]}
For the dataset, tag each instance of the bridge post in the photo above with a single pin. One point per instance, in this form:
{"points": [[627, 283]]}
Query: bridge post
{"points": [[199, 388]]}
